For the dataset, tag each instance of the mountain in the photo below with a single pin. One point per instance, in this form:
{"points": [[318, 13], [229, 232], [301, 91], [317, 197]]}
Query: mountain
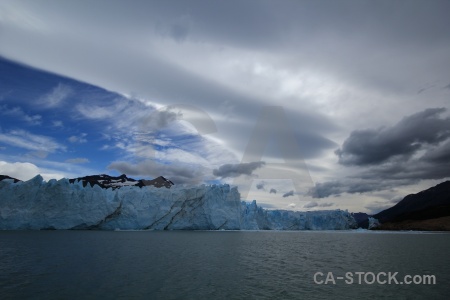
{"points": [[426, 210], [161, 181], [362, 219], [62, 204], [106, 181], [3, 177]]}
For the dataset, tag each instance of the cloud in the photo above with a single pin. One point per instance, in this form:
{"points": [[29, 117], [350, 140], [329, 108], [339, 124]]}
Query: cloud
{"points": [[326, 189], [288, 194], [412, 133], [22, 171], [438, 155], [77, 160], [270, 54], [57, 123], [129, 115], [291, 205], [56, 96], [138, 128], [227, 109], [107, 110], [38, 154], [159, 119], [235, 170], [310, 204], [80, 139], [433, 165], [171, 134], [355, 186], [26, 140], [313, 204], [273, 191], [18, 113], [416, 148], [25, 171], [260, 186], [377, 206]]}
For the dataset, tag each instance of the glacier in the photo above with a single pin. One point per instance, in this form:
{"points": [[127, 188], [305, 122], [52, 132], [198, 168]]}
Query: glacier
{"points": [[58, 204]]}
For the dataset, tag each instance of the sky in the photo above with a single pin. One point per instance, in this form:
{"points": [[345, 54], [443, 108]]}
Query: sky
{"points": [[304, 105]]}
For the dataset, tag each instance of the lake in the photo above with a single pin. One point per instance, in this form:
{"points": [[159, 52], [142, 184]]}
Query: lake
{"points": [[223, 265]]}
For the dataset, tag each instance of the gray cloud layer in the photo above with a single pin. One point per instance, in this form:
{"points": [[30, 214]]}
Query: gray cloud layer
{"points": [[260, 186], [235, 170], [288, 194], [416, 148], [332, 65], [374, 146]]}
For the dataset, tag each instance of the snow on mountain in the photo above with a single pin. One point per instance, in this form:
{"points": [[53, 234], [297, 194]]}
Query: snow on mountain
{"points": [[161, 181], [62, 204], [106, 181]]}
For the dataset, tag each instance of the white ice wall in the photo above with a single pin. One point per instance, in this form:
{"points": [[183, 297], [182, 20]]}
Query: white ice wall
{"points": [[36, 204]]}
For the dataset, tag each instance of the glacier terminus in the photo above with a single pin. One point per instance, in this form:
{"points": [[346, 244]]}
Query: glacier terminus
{"points": [[60, 204]]}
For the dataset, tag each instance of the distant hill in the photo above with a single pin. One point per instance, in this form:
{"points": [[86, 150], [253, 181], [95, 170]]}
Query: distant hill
{"points": [[362, 219], [426, 210]]}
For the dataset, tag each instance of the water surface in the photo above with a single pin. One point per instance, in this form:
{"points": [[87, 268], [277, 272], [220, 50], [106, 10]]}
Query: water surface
{"points": [[217, 265]]}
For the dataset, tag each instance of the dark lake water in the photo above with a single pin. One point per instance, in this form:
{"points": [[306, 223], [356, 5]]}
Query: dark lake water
{"points": [[219, 265]]}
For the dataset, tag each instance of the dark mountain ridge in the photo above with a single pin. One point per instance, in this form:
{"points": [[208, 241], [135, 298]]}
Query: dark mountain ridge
{"points": [[114, 182], [362, 219], [3, 177], [431, 203], [106, 181]]}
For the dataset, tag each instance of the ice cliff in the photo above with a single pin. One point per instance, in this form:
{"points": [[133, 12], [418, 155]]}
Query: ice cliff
{"points": [[36, 204]]}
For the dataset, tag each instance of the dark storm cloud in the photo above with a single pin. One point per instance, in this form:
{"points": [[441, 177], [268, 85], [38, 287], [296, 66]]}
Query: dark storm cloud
{"points": [[390, 156], [235, 170], [313, 204], [310, 204], [326, 189], [375, 146], [260, 186], [355, 186], [401, 171], [434, 164], [288, 194], [438, 155]]}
